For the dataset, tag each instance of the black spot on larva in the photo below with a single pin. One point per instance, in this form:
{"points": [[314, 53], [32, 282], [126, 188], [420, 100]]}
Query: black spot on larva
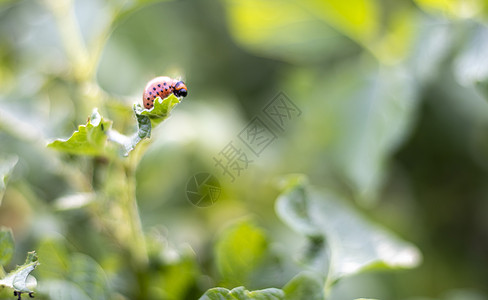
{"points": [[152, 100], [150, 93], [164, 83], [147, 98], [162, 90], [159, 85], [165, 89], [154, 88]]}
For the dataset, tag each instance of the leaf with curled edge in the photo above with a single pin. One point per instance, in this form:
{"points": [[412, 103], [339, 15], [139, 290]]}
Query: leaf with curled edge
{"points": [[19, 279], [147, 119], [89, 139], [160, 112]]}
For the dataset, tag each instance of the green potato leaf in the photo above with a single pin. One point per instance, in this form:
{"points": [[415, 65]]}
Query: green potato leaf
{"points": [[19, 279], [90, 139], [240, 293], [355, 243], [160, 112], [147, 119]]}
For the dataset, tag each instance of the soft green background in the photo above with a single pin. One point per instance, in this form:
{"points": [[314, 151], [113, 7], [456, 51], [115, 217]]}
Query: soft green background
{"points": [[394, 125]]}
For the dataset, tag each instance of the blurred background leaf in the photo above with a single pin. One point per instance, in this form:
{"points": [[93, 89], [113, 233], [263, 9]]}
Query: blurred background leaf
{"points": [[239, 251], [6, 167], [354, 243], [6, 246], [455, 8], [304, 286]]}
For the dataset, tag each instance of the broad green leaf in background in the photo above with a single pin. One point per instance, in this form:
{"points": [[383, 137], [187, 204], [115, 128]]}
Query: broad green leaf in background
{"points": [[6, 168], [311, 30], [355, 243], [304, 286], [454, 8], [240, 293], [433, 44], [379, 119], [54, 259], [79, 269], [283, 29], [239, 250], [362, 121], [89, 276], [471, 66], [19, 279], [62, 289], [6, 245], [90, 139], [360, 23], [371, 117]]}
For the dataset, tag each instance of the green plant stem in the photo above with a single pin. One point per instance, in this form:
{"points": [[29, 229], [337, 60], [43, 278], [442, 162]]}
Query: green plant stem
{"points": [[71, 38], [132, 162], [328, 282], [125, 222], [137, 244], [118, 212]]}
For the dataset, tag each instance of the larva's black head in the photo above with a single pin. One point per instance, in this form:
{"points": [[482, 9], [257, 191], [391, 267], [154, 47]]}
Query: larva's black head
{"points": [[180, 89]]}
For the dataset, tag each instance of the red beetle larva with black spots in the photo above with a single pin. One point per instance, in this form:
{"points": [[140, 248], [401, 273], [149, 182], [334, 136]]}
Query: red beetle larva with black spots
{"points": [[162, 86]]}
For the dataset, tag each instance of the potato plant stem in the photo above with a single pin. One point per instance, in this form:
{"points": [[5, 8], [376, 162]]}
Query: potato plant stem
{"points": [[137, 242]]}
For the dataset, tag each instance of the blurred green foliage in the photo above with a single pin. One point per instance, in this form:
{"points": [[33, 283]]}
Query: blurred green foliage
{"points": [[391, 136]]}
